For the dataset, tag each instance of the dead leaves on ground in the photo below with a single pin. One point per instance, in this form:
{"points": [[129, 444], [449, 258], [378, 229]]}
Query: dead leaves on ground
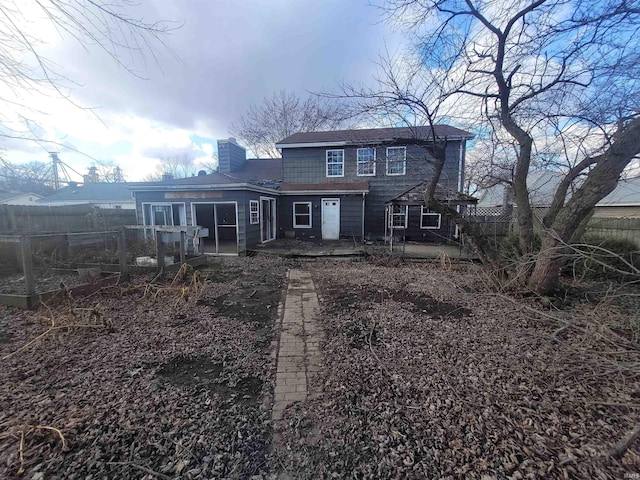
{"points": [[486, 394]]}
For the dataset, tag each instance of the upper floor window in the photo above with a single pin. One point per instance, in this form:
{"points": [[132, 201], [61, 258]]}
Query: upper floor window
{"points": [[396, 160], [335, 163], [366, 162]]}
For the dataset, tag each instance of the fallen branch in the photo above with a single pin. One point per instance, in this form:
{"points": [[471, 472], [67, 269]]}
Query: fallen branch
{"points": [[621, 447]]}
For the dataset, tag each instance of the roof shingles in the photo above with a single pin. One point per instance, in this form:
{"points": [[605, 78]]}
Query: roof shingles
{"points": [[373, 135]]}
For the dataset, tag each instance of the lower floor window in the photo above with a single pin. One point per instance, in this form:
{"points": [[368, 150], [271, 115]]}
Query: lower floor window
{"points": [[161, 214], [254, 212], [302, 215], [429, 219], [398, 216]]}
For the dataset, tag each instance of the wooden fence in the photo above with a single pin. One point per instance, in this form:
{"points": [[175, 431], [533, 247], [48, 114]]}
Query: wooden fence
{"points": [[23, 220], [622, 228]]}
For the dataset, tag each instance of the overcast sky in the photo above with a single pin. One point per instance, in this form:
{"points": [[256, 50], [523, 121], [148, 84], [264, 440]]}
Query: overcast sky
{"points": [[227, 55]]}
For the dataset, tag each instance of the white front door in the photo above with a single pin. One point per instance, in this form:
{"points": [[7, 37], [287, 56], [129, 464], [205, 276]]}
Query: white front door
{"points": [[330, 218]]}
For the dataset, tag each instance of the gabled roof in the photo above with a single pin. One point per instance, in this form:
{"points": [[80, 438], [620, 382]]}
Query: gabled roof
{"points": [[627, 193], [542, 186], [6, 196], [91, 192], [370, 136], [415, 195]]}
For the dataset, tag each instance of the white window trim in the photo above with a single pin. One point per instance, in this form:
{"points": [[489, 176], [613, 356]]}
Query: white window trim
{"points": [[404, 162], [252, 204], [326, 163], [295, 225], [358, 163], [425, 212], [182, 213], [406, 216]]}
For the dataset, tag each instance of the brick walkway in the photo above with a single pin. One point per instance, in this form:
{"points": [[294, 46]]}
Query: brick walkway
{"points": [[299, 345]]}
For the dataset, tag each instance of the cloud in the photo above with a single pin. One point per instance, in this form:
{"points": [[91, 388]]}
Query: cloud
{"points": [[226, 56]]}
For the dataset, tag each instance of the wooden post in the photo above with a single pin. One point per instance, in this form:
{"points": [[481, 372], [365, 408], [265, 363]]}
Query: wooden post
{"points": [[183, 244], [13, 224], [27, 265], [159, 250], [122, 251]]}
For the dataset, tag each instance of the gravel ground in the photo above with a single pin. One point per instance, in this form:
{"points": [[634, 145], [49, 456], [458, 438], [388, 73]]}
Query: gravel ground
{"points": [[167, 379], [433, 374]]}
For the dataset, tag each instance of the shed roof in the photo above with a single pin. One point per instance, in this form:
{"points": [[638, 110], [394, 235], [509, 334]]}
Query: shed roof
{"points": [[91, 192]]}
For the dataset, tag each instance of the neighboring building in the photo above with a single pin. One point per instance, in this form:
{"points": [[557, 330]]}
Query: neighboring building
{"points": [[19, 198], [623, 202], [102, 195], [327, 185], [339, 183], [542, 185]]}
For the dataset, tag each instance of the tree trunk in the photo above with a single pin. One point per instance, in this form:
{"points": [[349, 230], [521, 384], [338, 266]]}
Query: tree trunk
{"points": [[601, 181]]}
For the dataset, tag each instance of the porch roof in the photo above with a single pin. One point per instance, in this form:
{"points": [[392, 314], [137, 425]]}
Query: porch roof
{"points": [[415, 196]]}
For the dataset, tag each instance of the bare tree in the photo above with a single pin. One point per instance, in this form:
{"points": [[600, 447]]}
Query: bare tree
{"points": [[97, 24], [282, 115], [210, 166], [26, 177], [180, 165], [530, 70]]}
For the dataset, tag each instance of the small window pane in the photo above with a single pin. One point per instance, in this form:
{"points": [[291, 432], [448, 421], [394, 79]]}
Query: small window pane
{"points": [[398, 217], [302, 215], [366, 161], [429, 219], [335, 163], [254, 212], [396, 160]]}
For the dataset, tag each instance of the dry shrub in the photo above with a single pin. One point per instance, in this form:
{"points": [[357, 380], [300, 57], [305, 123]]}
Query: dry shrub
{"points": [[597, 258]]}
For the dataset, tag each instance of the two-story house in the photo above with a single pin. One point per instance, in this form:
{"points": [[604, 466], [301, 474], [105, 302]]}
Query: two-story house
{"points": [[327, 185], [344, 183]]}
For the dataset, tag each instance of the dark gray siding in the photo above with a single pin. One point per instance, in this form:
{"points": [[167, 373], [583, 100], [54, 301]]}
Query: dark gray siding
{"points": [[231, 156], [248, 235], [253, 231], [307, 165], [440, 235], [350, 216]]}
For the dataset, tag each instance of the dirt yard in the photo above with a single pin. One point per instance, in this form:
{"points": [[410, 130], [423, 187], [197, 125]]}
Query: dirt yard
{"points": [[433, 374], [428, 373], [162, 380]]}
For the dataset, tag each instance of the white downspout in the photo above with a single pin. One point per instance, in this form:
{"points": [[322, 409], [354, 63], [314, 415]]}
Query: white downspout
{"points": [[363, 194], [463, 143]]}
